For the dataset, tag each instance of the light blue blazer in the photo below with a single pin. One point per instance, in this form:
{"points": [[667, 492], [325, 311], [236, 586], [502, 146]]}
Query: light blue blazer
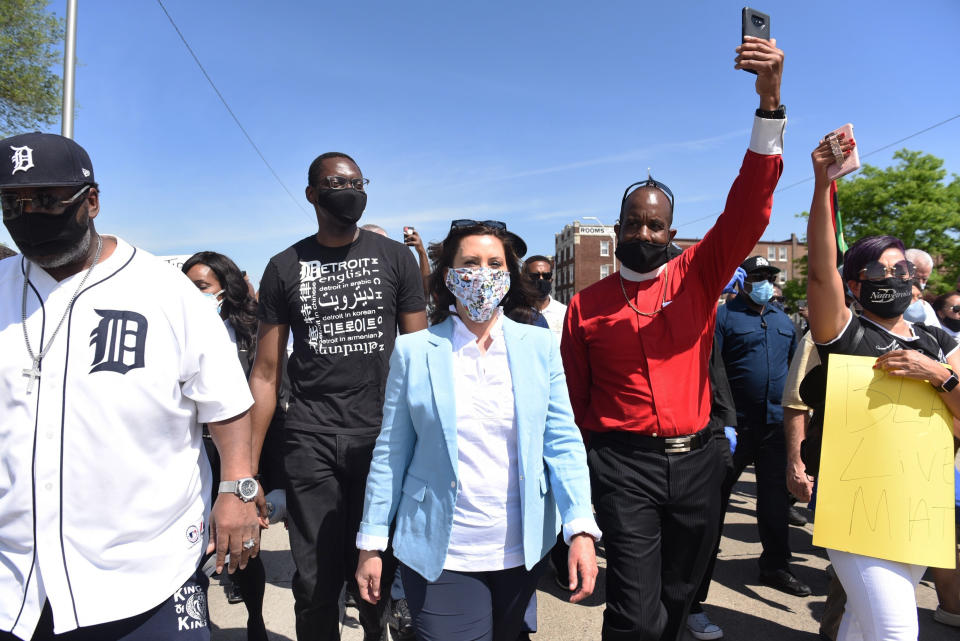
{"points": [[413, 474]]}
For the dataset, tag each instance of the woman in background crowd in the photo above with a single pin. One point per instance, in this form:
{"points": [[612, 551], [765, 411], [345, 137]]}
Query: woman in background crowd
{"points": [[223, 283]]}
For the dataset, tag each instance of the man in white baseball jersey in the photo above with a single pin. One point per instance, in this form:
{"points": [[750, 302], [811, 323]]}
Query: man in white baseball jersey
{"points": [[111, 360]]}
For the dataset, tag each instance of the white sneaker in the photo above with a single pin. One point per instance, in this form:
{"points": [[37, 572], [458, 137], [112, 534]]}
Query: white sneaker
{"points": [[701, 627]]}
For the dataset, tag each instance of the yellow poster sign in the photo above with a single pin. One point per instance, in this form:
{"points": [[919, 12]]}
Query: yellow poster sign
{"points": [[886, 467]]}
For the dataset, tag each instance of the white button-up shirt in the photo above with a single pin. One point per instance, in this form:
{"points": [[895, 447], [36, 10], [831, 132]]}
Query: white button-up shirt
{"points": [[104, 486], [487, 522]]}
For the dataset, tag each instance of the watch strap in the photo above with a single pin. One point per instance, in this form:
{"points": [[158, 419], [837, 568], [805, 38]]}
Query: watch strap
{"points": [[779, 113], [228, 487]]}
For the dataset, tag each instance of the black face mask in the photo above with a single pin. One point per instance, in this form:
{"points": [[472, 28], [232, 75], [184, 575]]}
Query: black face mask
{"points": [[887, 298], [543, 286], [346, 205], [641, 256], [38, 234], [953, 324]]}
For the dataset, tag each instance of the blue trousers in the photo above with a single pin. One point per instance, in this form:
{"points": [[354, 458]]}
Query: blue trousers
{"points": [[470, 606]]}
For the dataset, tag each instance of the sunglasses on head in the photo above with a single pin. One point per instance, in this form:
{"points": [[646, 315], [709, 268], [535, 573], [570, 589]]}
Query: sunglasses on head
{"points": [[649, 182], [877, 271], [464, 223]]}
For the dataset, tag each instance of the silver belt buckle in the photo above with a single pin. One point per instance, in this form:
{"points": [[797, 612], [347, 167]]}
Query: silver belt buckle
{"points": [[677, 444]]}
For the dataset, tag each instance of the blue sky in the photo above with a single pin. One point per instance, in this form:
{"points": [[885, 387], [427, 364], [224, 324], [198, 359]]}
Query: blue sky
{"points": [[531, 113]]}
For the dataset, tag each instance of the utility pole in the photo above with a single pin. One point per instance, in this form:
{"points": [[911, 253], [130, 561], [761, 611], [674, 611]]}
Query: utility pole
{"points": [[69, 69]]}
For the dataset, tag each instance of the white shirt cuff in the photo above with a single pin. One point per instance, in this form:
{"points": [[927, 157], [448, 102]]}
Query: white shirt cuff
{"points": [[581, 526], [370, 542], [766, 138]]}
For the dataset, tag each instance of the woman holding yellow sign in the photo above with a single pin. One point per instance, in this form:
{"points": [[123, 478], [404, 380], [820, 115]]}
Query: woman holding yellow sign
{"points": [[881, 599]]}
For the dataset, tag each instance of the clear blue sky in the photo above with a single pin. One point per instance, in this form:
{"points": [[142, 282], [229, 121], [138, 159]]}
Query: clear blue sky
{"points": [[531, 113]]}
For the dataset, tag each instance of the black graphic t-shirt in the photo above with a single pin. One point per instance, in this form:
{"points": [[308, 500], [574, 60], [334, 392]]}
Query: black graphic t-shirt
{"points": [[341, 304]]}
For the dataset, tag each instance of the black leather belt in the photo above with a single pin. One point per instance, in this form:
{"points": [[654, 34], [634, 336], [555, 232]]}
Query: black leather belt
{"points": [[665, 445]]}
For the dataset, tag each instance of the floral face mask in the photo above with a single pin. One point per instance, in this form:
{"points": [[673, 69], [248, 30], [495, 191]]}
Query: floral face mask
{"points": [[478, 289]]}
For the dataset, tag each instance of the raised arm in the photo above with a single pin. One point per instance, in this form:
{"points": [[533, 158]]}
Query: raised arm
{"points": [[827, 313], [747, 211]]}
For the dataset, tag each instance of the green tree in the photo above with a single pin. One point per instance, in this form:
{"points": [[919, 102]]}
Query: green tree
{"points": [[911, 200], [29, 48]]}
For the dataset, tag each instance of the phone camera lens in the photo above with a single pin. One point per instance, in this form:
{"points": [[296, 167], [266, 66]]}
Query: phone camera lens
{"points": [[758, 22]]}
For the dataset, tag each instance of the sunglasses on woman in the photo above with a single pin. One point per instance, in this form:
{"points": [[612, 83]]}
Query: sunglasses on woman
{"points": [[877, 271]]}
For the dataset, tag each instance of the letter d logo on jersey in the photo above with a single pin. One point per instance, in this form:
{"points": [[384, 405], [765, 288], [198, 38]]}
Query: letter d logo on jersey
{"points": [[119, 341]]}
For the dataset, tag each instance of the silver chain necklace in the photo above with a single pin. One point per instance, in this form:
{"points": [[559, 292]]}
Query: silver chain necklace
{"points": [[34, 372]]}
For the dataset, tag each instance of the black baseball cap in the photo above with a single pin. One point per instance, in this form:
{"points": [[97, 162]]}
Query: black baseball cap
{"points": [[756, 264], [43, 160]]}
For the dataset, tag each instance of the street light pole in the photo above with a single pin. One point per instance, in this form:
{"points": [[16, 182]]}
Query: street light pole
{"points": [[69, 69]]}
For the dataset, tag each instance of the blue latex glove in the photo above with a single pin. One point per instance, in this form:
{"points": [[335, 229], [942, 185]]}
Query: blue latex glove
{"points": [[738, 278], [731, 434]]}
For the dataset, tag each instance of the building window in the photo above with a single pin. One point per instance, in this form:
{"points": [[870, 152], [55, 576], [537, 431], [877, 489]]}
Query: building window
{"points": [[771, 253], [570, 274], [783, 253], [781, 278], [604, 248], [604, 270]]}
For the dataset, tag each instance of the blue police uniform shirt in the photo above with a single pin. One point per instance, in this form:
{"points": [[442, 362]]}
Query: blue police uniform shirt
{"points": [[756, 349]]}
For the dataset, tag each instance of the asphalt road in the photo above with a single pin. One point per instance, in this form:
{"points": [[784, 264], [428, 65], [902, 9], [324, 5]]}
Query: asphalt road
{"points": [[737, 602]]}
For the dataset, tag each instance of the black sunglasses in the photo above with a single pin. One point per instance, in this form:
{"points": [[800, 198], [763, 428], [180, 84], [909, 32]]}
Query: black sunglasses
{"points": [[540, 275], [464, 223]]}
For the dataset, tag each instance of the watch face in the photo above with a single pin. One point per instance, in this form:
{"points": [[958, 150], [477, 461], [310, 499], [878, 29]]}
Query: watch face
{"points": [[248, 488]]}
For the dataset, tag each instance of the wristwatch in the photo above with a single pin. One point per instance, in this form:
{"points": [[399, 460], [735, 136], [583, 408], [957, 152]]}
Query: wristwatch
{"points": [[950, 383], [245, 489], [779, 113]]}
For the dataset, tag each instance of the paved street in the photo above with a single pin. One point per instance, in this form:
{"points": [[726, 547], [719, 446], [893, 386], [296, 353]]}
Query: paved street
{"points": [[737, 602]]}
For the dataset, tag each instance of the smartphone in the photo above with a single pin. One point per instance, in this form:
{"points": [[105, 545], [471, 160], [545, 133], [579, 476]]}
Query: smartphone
{"points": [[406, 233], [754, 23], [851, 163]]}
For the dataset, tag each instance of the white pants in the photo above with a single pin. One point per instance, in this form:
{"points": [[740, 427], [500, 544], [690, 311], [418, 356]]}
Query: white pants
{"points": [[881, 598]]}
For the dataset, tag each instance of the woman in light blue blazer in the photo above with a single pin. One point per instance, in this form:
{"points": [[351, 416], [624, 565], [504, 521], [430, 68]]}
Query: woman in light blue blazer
{"points": [[478, 461]]}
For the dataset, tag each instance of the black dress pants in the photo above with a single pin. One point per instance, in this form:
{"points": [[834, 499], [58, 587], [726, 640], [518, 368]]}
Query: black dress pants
{"points": [[658, 513], [726, 472], [765, 447], [326, 478]]}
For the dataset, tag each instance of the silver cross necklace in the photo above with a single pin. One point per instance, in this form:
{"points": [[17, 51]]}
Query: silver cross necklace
{"points": [[34, 372]]}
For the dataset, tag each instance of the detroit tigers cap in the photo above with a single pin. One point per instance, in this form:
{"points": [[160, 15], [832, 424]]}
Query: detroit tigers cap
{"points": [[43, 160], [758, 264]]}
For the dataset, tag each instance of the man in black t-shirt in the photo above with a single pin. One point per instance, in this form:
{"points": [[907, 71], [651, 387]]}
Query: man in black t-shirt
{"points": [[344, 292]]}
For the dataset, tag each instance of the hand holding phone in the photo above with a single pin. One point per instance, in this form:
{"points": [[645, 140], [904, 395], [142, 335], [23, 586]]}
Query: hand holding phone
{"points": [[842, 166], [754, 23]]}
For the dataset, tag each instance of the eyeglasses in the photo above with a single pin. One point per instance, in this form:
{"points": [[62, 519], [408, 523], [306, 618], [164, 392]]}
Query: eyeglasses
{"points": [[339, 182], [876, 271], [649, 182], [41, 202], [759, 278], [776, 299], [954, 308], [464, 223], [540, 275]]}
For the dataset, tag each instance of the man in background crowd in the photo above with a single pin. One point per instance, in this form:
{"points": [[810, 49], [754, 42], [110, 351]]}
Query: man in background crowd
{"points": [[539, 269]]}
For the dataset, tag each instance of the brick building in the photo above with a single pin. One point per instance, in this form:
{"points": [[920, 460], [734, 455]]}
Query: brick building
{"points": [[585, 254]]}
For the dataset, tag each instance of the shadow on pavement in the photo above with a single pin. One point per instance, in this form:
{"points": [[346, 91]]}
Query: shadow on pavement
{"points": [[740, 625], [741, 575], [240, 634]]}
